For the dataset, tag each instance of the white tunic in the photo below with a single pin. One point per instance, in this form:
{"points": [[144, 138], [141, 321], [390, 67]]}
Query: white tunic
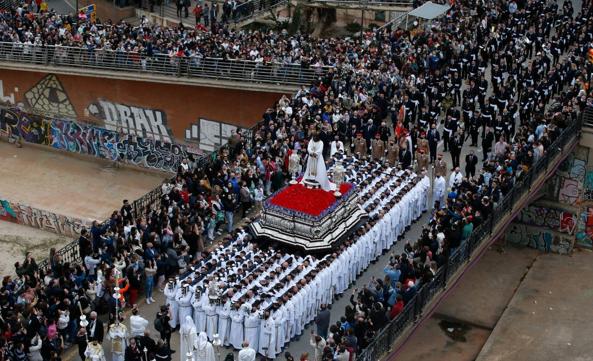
{"points": [[187, 338], [224, 323], [267, 338], [183, 298], [252, 323], [204, 351], [170, 293], [199, 313], [236, 334], [316, 165], [118, 334]]}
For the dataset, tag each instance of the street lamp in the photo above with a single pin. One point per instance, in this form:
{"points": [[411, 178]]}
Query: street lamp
{"points": [[84, 323], [217, 343]]}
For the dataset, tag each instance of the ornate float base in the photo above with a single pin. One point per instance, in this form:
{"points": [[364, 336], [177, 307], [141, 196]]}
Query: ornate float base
{"points": [[309, 218]]}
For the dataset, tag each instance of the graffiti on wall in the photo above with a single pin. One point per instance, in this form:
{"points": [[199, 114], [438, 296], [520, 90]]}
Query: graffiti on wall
{"points": [[6, 98], [544, 240], [49, 221], [49, 97], [211, 134], [569, 191], [41, 219], [552, 218], [90, 140], [588, 186], [6, 211], [141, 122], [568, 223], [584, 232]]}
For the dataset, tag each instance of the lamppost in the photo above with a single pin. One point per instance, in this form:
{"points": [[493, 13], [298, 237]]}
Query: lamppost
{"points": [[116, 294], [84, 323], [217, 343]]}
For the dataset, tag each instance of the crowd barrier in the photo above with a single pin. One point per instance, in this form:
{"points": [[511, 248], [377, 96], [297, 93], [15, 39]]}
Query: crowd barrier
{"points": [[160, 64]]}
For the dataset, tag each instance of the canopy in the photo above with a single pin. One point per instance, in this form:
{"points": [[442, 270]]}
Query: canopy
{"points": [[429, 10]]}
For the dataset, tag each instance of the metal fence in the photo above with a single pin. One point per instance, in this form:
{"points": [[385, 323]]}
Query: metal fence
{"points": [[462, 254], [253, 8], [160, 64]]}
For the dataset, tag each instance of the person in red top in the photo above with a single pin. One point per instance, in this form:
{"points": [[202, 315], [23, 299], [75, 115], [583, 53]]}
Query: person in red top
{"points": [[397, 307], [198, 13], [185, 195]]}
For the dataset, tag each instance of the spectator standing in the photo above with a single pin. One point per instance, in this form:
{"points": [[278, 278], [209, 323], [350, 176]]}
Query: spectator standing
{"points": [[318, 344], [137, 324], [150, 271], [322, 321]]}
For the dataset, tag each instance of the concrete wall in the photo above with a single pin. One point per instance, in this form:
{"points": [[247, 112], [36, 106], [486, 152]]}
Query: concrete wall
{"points": [[42, 219], [106, 10], [156, 110], [91, 140]]}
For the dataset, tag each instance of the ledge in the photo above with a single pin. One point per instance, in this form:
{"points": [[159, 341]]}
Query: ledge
{"points": [[153, 78]]}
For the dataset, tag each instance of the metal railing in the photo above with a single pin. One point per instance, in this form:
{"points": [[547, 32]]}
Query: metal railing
{"points": [[397, 19], [413, 310], [8, 4], [254, 8], [368, 2], [160, 64]]}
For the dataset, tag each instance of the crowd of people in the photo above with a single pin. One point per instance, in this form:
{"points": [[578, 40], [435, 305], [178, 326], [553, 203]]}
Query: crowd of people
{"points": [[506, 76]]}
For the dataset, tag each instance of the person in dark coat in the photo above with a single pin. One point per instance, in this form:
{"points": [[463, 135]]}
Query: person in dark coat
{"points": [[471, 160], [322, 321], [405, 157], [95, 328]]}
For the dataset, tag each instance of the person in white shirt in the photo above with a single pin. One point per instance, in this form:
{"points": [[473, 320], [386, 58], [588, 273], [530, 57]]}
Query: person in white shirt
{"points": [[336, 146], [438, 191], [456, 178], [137, 324], [247, 353]]}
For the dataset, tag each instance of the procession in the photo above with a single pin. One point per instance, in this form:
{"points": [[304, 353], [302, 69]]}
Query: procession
{"points": [[243, 295], [372, 162]]}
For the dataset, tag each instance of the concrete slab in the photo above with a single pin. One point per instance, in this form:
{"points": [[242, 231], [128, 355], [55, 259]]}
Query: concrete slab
{"points": [[549, 318], [491, 285], [434, 342], [69, 185], [16, 240], [463, 322]]}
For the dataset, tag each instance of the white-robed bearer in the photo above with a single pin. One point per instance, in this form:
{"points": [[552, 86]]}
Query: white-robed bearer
{"points": [[247, 353], [236, 335], [224, 322], [94, 352], [118, 334], [203, 349], [211, 318], [267, 336], [279, 322], [198, 300], [188, 338], [170, 293], [316, 170], [252, 324], [183, 298], [439, 191]]}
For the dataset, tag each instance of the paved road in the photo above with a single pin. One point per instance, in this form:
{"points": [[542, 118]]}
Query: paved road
{"points": [[62, 6]]}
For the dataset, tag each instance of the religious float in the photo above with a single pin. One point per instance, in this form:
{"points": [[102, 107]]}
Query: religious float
{"points": [[311, 213]]}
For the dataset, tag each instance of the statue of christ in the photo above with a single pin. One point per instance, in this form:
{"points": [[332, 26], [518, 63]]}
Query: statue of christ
{"points": [[316, 165]]}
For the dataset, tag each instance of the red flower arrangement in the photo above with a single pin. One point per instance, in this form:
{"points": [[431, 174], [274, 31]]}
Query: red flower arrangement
{"points": [[309, 201]]}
